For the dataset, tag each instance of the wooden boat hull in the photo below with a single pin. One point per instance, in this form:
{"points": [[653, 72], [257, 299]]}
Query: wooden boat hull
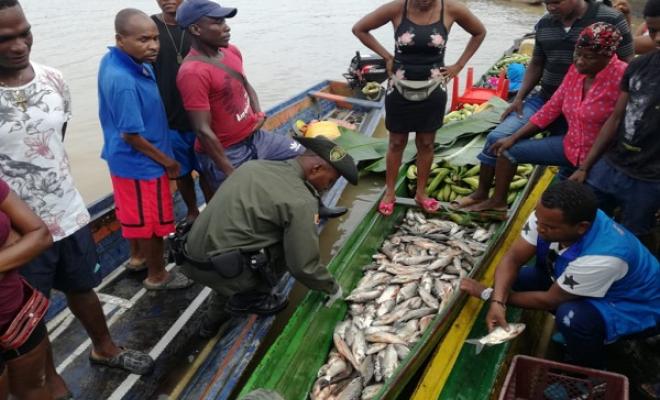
{"points": [[454, 363], [167, 324], [290, 365]]}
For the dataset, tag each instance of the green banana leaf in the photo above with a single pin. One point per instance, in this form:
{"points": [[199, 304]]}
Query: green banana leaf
{"points": [[464, 152], [475, 124], [361, 147]]}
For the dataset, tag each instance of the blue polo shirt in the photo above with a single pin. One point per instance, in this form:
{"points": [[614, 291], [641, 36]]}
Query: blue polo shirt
{"points": [[129, 102]]}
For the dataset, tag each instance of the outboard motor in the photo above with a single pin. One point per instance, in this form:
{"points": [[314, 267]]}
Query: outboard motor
{"points": [[364, 69]]}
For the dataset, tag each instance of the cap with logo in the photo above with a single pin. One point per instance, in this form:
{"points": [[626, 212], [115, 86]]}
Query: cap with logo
{"points": [[190, 11], [333, 154]]}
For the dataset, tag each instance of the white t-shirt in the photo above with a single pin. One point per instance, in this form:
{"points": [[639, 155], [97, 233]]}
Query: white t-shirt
{"points": [[32, 156], [589, 276]]}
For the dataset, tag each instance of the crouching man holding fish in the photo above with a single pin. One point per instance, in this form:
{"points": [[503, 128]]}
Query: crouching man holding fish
{"points": [[261, 223], [601, 283]]}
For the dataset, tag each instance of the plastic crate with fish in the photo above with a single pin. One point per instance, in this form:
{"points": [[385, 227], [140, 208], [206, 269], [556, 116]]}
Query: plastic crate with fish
{"points": [[531, 378]]}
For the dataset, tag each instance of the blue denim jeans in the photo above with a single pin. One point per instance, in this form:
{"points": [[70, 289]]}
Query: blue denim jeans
{"points": [[639, 200], [579, 321], [546, 151], [513, 122], [260, 145]]}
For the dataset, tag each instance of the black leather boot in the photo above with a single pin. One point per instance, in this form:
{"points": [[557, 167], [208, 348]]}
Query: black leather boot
{"points": [[331, 212], [256, 303]]}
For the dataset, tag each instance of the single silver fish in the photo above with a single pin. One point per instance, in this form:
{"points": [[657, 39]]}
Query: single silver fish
{"points": [[375, 329], [402, 351], [384, 337], [406, 292], [428, 298], [389, 293], [353, 391], [342, 327], [497, 336], [378, 366], [359, 346], [406, 278], [390, 361], [344, 350], [367, 368], [419, 313], [410, 304], [388, 319], [376, 348], [372, 280], [413, 260], [385, 308], [356, 309], [370, 392], [424, 323], [364, 296]]}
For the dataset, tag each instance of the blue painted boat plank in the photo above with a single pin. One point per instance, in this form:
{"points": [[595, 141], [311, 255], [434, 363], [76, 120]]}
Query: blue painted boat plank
{"points": [[232, 373], [140, 327]]}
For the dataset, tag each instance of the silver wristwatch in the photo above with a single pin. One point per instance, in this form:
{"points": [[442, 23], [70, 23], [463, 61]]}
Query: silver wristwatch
{"points": [[485, 295]]}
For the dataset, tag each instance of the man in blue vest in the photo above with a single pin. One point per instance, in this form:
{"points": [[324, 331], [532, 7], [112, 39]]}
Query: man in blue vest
{"points": [[601, 283]]}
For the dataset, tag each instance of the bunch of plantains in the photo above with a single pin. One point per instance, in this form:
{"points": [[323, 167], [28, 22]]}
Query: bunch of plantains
{"points": [[448, 182], [504, 62], [464, 112]]}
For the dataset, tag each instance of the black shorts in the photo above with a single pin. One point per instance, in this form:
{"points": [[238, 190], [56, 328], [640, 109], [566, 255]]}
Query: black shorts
{"points": [[404, 116], [33, 341], [70, 265]]}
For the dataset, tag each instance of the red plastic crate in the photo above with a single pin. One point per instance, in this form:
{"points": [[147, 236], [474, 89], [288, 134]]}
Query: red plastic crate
{"points": [[531, 378]]}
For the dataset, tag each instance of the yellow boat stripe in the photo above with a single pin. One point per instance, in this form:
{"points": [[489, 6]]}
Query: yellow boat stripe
{"points": [[438, 370]]}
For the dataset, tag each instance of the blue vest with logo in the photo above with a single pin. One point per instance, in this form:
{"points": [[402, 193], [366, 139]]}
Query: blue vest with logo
{"points": [[632, 303]]}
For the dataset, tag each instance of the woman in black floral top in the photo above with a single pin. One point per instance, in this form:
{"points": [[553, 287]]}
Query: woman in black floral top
{"points": [[421, 29]]}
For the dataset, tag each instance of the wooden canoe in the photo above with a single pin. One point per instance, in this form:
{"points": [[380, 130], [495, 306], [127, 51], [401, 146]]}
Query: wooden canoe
{"points": [[290, 365], [165, 324]]}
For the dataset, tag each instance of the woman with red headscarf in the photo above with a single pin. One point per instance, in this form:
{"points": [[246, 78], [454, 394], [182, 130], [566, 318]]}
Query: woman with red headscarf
{"points": [[586, 98]]}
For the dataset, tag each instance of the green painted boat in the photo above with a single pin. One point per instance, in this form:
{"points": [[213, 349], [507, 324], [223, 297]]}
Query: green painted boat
{"points": [[290, 365]]}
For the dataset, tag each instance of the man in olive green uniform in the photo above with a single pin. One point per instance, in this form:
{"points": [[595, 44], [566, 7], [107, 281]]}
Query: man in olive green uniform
{"points": [[268, 209]]}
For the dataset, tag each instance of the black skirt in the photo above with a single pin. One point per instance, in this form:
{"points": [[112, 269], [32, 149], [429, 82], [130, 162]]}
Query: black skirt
{"points": [[403, 116]]}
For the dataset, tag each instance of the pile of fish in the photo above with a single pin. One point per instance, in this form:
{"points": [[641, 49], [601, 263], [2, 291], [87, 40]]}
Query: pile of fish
{"points": [[410, 281]]}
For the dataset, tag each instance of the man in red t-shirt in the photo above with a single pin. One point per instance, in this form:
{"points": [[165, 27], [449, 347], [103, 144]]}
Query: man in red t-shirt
{"points": [[224, 110]]}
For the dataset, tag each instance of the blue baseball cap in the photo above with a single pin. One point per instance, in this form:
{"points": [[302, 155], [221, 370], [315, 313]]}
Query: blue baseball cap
{"points": [[190, 11]]}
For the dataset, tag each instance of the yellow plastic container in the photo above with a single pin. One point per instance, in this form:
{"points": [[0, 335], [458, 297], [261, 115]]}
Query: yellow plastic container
{"points": [[324, 128], [527, 47]]}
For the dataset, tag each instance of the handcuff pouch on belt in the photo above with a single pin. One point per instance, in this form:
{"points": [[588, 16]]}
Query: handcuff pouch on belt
{"points": [[231, 264]]}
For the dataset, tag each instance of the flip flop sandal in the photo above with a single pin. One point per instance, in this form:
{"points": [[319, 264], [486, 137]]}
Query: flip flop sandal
{"points": [[133, 361], [429, 205], [651, 390], [176, 280], [386, 208], [68, 396], [129, 266]]}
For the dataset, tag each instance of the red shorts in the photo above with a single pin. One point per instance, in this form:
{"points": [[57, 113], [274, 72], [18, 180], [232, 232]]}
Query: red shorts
{"points": [[144, 207]]}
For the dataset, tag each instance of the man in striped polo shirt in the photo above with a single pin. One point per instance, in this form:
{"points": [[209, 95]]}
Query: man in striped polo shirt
{"points": [[556, 35]]}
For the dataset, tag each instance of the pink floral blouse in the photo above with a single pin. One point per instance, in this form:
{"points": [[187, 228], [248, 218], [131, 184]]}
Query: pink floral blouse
{"points": [[585, 116]]}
